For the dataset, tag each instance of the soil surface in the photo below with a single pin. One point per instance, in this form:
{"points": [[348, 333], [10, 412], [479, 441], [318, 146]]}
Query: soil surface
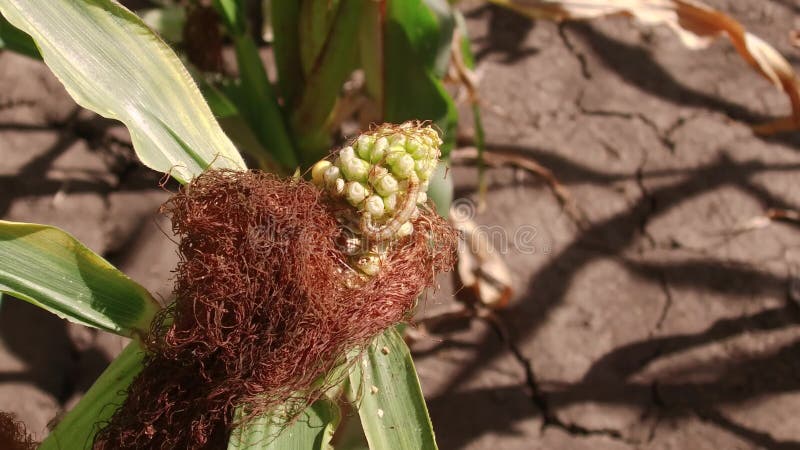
{"points": [[662, 321]]}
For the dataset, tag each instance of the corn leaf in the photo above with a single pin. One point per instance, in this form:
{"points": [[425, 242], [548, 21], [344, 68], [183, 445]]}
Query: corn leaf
{"points": [[77, 428], [389, 399], [286, 46], [315, 24], [14, 39], [168, 21], [111, 63], [254, 97], [51, 269], [696, 23], [312, 429], [404, 74], [330, 28]]}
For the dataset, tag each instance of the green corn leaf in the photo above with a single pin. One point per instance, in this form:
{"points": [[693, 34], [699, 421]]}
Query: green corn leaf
{"points": [[168, 21], [441, 190], [370, 50], [111, 63], [446, 22], [286, 45], [480, 136], [312, 430], [389, 398], [76, 430], [256, 100], [14, 39], [51, 269], [315, 26], [406, 71], [334, 61], [221, 106]]}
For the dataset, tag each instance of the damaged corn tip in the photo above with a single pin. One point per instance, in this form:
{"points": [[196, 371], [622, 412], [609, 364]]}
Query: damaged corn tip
{"points": [[370, 264], [384, 175], [383, 160]]}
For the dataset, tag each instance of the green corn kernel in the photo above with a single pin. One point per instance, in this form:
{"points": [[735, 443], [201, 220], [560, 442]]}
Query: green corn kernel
{"points": [[394, 153], [364, 145], [355, 169], [403, 166], [418, 151], [405, 230], [424, 168], [374, 206], [347, 154], [355, 192], [390, 202], [331, 174], [376, 174], [378, 149], [398, 139], [386, 185]]}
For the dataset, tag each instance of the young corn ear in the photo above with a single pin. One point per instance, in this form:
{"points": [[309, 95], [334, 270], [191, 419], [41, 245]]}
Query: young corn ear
{"points": [[384, 174]]}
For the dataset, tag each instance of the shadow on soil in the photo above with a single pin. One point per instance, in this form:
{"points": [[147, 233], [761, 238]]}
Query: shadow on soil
{"points": [[29, 181], [53, 364], [608, 380]]}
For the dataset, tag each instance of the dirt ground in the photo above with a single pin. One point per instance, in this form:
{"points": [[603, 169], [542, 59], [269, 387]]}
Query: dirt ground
{"points": [[660, 323]]}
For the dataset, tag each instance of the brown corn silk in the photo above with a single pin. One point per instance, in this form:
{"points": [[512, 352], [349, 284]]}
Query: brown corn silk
{"points": [[13, 435], [265, 307]]}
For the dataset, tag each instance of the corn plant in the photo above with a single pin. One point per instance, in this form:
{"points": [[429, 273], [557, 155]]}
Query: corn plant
{"points": [[112, 63]]}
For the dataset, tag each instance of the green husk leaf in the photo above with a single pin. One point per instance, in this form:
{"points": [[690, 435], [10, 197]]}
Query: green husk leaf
{"points": [[76, 430], [111, 63], [312, 429], [51, 269], [389, 398]]}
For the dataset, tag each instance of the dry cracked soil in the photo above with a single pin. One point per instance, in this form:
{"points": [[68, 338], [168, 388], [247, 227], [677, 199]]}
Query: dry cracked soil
{"points": [[659, 321]]}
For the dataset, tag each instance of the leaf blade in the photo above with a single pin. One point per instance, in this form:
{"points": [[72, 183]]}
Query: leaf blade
{"points": [[51, 269], [14, 39], [111, 63], [394, 416], [256, 100], [413, 40], [79, 425], [313, 429]]}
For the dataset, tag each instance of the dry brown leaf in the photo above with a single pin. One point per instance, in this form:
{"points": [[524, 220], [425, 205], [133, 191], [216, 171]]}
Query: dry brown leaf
{"points": [[480, 265], [696, 23]]}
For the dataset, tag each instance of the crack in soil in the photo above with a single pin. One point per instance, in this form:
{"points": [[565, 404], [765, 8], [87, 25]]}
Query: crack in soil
{"points": [[650, 203], [577, 54], [664, 284], [665, 137], [658, 403], [12, 103], [538, 396]]}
